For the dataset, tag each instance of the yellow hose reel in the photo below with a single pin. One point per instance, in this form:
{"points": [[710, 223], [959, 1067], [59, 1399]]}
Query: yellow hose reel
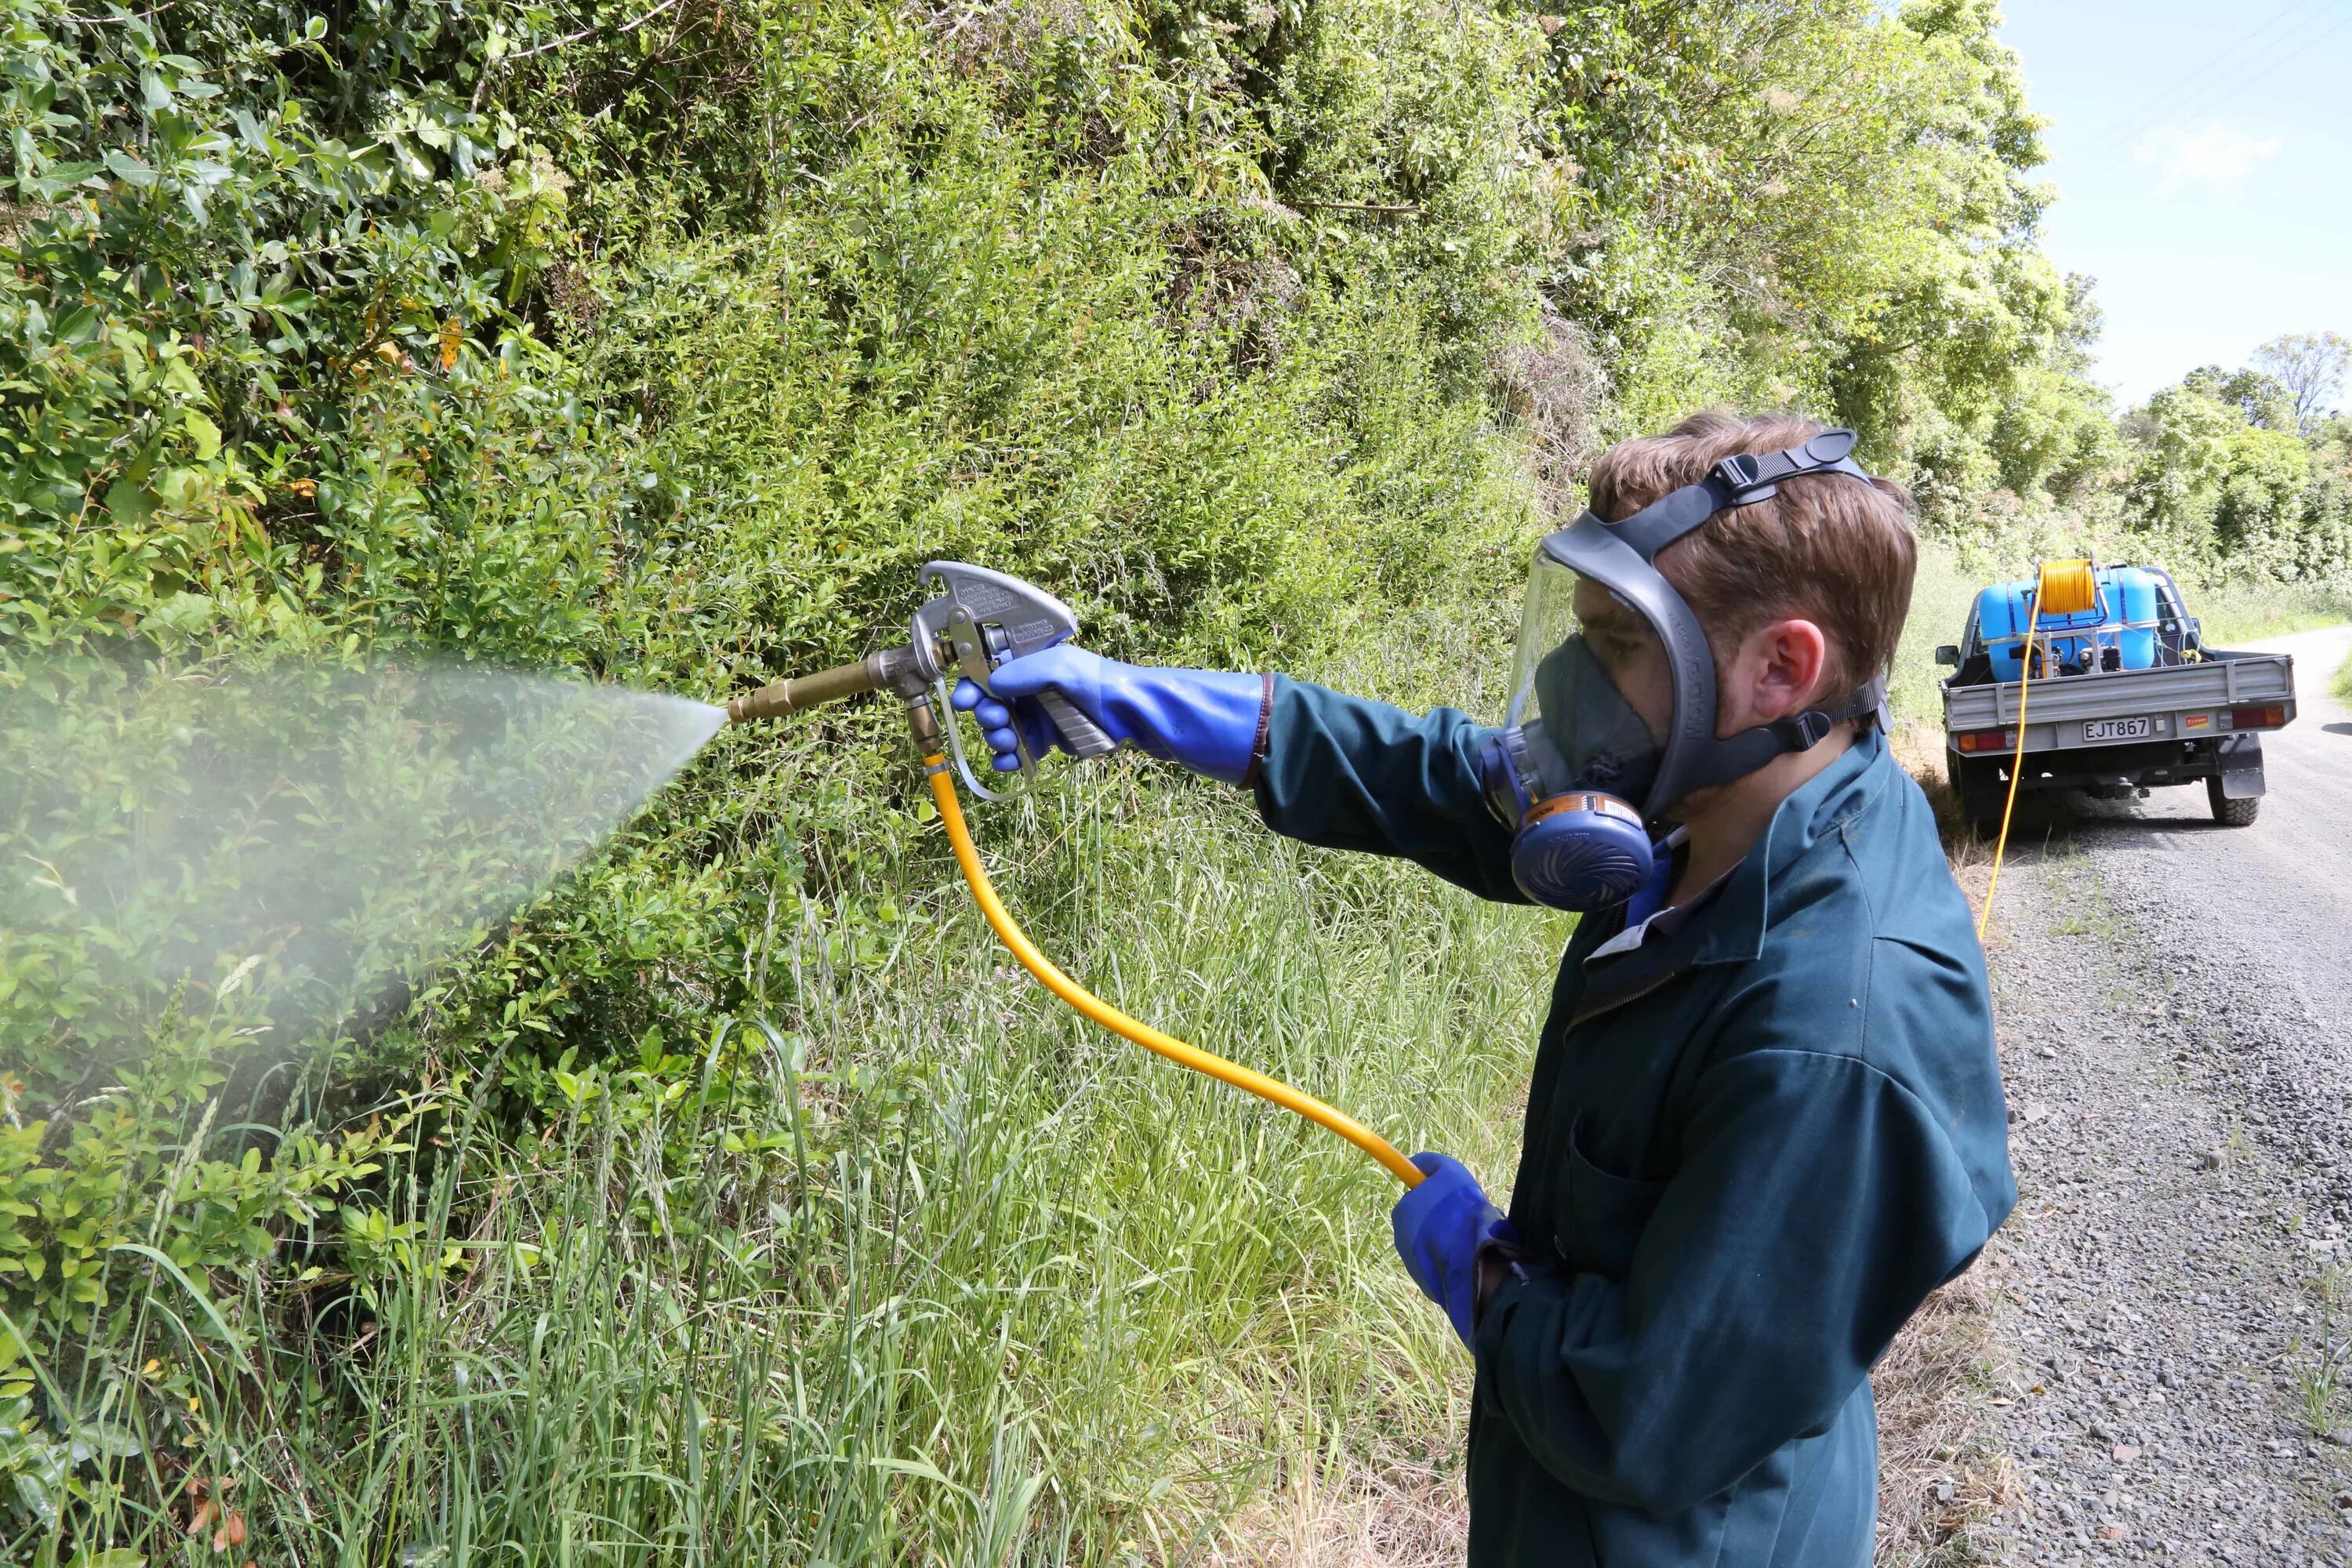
{"points": [[2066, 588]]}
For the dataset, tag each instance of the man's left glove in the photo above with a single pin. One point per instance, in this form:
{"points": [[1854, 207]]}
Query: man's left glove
{"points": [[1445, 1230]]}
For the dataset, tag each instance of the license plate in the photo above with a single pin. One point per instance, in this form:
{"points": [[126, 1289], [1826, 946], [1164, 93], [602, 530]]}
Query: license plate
{"points": [[2118, 729]]}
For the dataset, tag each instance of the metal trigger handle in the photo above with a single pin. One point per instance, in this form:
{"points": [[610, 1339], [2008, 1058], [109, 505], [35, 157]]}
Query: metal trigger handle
{"points": [[981, 619], [1082, 735], [955, 743]]}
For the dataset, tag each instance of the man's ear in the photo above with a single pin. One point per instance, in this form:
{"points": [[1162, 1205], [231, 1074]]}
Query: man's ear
{"points": [[1780, 669]]}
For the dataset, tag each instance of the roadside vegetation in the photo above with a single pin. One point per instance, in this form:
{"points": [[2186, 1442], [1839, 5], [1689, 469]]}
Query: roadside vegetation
{"points": [[2240, 609], [732, 1200]]}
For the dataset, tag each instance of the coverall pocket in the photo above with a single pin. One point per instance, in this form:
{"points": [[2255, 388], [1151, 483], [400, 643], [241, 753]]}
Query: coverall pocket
{"points": [[1601, 1215]]}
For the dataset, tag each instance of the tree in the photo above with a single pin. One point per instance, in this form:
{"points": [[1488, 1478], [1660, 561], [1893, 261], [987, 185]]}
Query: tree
{"points": [[2311, 366], [2258, 513], [2267, 403], [2222, 482], [2087, 323], [1824, 204], [2182, 435]]}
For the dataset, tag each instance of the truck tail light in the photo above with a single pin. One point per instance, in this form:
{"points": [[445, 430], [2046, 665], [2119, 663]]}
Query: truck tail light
{"points": [[1983, 740], [2268, 718]]}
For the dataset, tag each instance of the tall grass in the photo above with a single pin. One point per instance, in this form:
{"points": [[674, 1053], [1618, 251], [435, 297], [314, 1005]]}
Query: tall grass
{"points": [[2240, 611], [1940, 595]]}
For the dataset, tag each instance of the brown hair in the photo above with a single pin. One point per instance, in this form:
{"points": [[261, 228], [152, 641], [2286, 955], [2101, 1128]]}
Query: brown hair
{"points": [[1835, 553]]}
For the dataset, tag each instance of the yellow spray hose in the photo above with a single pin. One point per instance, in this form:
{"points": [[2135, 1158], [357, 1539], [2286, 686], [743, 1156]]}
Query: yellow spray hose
{"points": [[2065, 588], [2016, 772], [1085, 1002]]}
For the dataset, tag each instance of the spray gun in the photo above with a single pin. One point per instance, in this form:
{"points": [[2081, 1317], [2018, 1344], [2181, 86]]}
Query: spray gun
{"points": [[976, 620]]}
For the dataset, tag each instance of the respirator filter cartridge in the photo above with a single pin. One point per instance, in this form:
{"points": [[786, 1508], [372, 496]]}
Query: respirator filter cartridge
{"points": [[1582, 851]]}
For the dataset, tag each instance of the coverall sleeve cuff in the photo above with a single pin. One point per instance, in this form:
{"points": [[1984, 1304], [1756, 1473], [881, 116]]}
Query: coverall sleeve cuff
{"points": [[1265, 726], [1493, 1323]]}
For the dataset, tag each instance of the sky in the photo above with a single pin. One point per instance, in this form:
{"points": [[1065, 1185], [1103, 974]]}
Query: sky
{"points": [[2202, 151]]}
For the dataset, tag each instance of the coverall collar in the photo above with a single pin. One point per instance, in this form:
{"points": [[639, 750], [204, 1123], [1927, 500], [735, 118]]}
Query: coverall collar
{"points": [[1728, 926], [1733, 932]]}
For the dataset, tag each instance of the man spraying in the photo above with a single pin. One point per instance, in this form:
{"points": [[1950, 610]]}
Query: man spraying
{"points": [[1765, 1119]]}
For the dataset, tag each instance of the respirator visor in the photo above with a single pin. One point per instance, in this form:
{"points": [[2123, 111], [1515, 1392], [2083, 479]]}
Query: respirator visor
{"points": [[1591, 692], [1573, 765]]}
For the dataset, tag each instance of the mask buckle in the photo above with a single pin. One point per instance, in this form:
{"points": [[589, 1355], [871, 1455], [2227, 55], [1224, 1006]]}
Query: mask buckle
{"points": [[1748, 477], [1809, 729], [1742, 475]]}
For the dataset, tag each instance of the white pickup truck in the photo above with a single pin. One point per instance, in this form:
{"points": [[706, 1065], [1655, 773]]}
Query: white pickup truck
{"points": [[2095, 723]]}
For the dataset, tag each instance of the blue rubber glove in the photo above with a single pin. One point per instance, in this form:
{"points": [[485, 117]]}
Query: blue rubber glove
{"points": [[1442, 1227], [1203, 720]]}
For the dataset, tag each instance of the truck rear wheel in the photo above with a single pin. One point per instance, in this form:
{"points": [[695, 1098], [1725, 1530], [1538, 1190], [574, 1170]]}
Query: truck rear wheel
{"points": [[1982, 792], [2232, 813]]}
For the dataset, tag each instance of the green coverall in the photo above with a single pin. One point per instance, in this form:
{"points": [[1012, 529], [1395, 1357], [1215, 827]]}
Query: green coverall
{"points": [[1753, 1146]]}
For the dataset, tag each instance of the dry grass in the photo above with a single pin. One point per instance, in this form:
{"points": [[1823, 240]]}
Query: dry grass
{"points": [[1941, 1470], [1918, 745], [1556, 392], [1402, 1515]]}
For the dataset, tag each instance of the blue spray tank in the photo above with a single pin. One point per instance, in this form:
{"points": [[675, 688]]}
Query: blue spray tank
{"points": [[2117, 632]]}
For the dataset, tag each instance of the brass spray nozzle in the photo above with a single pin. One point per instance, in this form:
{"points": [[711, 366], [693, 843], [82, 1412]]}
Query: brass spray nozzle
{"points": [[892, 669], [780, 697]]}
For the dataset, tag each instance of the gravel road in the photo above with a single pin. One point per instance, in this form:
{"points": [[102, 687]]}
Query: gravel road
{"points": [[2176, 1011]]}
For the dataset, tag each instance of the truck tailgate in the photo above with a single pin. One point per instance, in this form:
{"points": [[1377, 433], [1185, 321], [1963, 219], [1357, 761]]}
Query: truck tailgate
{"points": [[2181, 702]]}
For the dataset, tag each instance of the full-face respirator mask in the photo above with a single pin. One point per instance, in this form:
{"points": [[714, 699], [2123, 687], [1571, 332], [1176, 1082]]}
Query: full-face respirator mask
{"points": [[1578, 770]]}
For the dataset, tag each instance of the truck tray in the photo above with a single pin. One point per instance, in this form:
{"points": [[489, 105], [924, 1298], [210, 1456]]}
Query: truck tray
{"points": [[2181, 703]]}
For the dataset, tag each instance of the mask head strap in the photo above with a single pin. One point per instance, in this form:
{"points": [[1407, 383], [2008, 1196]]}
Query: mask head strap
{"points": [[1741, 479], [1743, 753]]}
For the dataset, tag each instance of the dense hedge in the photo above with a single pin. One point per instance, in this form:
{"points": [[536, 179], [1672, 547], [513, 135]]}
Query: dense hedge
{"points": [[338, 340]]}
